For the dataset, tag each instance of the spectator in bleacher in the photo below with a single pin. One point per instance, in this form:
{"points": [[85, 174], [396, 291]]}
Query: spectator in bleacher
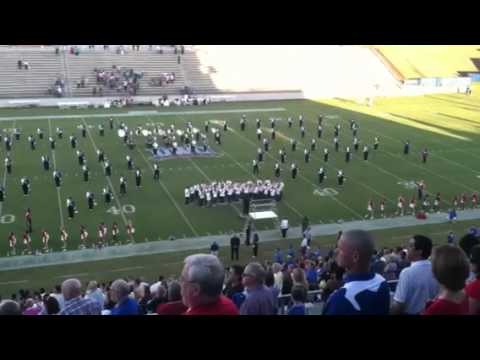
{"points": [[363, 292], [333, 282], [287, 282], [202, 281], [277, 276], [159, 296], [234, 287], [51, 306], [270, 284], [298, 278], [57, 294], [141, 298], [20, 64], [416, 283], [451, 268], [278, 257], [9, 307], [473, 287], [259, 299], [74, 303], [31, 308], [299, 297], [466, 243], [391, 268], [124, 304], [94, 293], [403, 263], [174, 306], [311, 275]]}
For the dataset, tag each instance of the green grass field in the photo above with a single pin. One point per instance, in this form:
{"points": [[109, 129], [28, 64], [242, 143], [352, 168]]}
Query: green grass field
{"points": [[448, 125]]}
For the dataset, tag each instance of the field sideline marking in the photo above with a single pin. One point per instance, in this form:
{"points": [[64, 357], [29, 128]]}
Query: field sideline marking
{"points": [[128, 268], [172, 199], [166, 113], [14, 282], [108, 178], [5, 181], [59, 196]]}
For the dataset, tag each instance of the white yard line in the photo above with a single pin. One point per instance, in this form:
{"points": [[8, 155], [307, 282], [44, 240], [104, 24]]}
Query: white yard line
{"points": [[59, 196], [108, 178], [71, 275], [172, 199], [14, 282], [137, 113], [128, 269]]}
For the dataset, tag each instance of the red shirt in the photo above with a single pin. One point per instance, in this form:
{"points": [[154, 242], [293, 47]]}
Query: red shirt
{"points": [[172, 308], [224, 306], [473, 290], [446, 307]]}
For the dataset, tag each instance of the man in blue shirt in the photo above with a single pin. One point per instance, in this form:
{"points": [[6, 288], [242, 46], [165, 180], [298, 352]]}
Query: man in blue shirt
{"points": [[364, 292], [290, 251], [125, 304], [451, 238]]}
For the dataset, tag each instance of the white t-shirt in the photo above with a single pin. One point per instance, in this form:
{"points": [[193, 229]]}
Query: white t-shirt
{"points": [[284, 224], [416, 285]]}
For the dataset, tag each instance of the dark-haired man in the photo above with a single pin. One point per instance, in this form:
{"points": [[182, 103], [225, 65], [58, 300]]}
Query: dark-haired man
{"points": [[416, 284]]}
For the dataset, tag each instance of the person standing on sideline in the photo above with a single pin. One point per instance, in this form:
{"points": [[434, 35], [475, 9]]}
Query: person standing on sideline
{"points": [[234, 247], [284, 227]]}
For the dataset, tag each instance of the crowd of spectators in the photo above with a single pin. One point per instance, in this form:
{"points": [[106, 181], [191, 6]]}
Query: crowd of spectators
{"points": [[348, 279], [119, 79]]}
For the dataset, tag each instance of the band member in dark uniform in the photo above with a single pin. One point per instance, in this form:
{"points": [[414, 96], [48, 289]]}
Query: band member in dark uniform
{"points": [[306, 154], [321, 175], [255, 168], [123, 186], [340, 178], [277, 170], [90, 200], [138, 178], [283, 155], [376, 143], [348, 154], [365, 152], [294, 170], [406, 148], [319, 131], [325, 154], [424, 155], [8, 164], [85, 173], [156, 172], [57, 177]]}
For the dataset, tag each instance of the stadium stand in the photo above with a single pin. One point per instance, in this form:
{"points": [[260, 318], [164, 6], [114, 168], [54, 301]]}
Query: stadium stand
{"points": [[280, 273]]}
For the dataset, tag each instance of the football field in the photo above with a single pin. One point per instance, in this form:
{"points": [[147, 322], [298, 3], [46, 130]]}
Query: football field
{"points": [[447, 125]]}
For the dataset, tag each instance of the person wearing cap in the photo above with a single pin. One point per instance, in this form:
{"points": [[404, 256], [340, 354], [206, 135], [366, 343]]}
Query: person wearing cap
{"points": [[473, 287]]}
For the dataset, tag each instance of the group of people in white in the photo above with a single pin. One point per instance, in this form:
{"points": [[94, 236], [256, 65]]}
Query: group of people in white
{"points": [[228, 191]]}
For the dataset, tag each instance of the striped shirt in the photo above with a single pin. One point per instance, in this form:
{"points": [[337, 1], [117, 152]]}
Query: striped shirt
{"points": [[79, 306]]}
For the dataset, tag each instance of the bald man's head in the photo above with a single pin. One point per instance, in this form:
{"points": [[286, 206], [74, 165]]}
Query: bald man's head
{"points": [[71, 289], [355, 249]]}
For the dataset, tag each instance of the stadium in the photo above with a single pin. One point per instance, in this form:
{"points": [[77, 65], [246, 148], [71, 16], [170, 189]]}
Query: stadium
{"points": [[122, 161]]}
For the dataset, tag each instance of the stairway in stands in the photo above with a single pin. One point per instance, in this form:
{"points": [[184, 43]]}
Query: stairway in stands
{"points": [[45, 67]]}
